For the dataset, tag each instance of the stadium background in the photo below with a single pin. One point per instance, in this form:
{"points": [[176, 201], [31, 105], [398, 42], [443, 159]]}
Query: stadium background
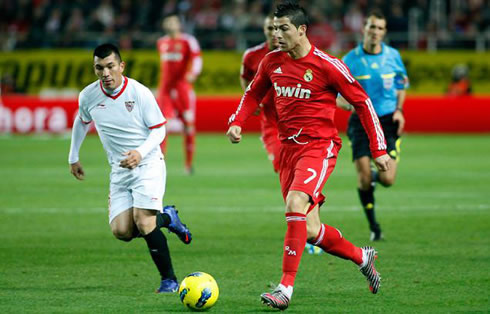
{"points": [[46, 53], [54, 235]]}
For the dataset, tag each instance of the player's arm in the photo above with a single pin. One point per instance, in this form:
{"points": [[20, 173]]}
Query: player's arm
{"points": [[196, 61], [78, 134], [254, 93], [398, 114], [355, 95], [155, 121], [247, 75], [134, 157]]}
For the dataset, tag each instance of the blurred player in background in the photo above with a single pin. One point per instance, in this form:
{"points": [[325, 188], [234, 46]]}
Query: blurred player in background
{"points": [[460, 84], [131, 127], [306, 82], [381, 72], [180, 65], [250, 64]]}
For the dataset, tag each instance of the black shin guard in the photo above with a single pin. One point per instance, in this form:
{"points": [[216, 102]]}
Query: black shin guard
{"points": [[157, 243]]}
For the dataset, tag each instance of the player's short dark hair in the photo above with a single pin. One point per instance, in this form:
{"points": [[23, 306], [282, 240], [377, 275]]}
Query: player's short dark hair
{"points": [[105, 50], [170, 14], [296, 14], [377, 13]]}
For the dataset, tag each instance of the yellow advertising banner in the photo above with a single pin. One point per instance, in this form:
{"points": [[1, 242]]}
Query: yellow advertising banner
{"points": [[35, 70]]}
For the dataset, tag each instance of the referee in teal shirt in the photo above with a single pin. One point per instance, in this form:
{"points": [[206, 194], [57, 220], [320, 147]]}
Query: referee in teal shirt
{"points": [[380, 70]]}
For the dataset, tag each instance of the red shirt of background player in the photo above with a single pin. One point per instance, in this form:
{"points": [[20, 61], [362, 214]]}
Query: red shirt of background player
{"points": [[268, 122]]}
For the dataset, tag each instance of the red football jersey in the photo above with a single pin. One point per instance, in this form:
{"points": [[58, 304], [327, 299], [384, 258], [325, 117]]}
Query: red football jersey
{"points": [[176, 56], [305, 92], [250, 65]]}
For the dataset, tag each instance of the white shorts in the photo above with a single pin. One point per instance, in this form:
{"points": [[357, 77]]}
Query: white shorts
{"points": [[141, 187]]}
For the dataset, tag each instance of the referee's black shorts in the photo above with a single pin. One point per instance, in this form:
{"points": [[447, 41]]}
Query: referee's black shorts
{"points": [[359, 140]]}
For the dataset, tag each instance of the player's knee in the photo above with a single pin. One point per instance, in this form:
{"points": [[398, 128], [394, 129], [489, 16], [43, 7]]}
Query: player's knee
{"points": [[365, 181], [122, 234], [296, 202], [387, 181], [144, 223], [312, 231]]}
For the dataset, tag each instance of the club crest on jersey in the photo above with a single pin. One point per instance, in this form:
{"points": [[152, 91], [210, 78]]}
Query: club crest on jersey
{"points": [[308, 75], [129, 105]]}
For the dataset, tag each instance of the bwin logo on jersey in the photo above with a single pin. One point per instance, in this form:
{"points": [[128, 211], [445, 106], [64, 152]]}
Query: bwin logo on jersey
{"points": [[297, 92]]}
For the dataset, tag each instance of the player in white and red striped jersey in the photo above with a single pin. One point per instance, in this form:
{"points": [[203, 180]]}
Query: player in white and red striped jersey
{"points": [[131, 127], [306, 82], [250, 64], [180, 65]]}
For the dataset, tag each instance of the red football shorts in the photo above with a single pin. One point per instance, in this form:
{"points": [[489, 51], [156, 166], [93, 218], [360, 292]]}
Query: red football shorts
{"points": [[270, 139], [306, 168], [178, 101]]}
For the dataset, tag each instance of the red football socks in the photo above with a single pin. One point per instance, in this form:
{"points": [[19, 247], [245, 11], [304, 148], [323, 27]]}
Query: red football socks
{"points": [[294, 245], [189, 143], [331, 241]]}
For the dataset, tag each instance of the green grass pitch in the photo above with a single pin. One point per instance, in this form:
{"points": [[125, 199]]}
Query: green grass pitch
{"points": [[57, 254]]}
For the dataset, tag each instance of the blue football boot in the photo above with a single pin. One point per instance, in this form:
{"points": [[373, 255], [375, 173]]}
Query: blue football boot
{"points": [[168, 286], [176, 226]]}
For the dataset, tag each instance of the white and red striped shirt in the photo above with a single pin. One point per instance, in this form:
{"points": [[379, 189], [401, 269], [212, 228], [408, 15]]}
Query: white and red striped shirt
{"points": [[305, 92], [123, 119]]}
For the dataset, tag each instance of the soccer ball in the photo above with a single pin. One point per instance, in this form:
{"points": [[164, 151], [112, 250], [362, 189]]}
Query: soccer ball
{"points": [[198, 291]]}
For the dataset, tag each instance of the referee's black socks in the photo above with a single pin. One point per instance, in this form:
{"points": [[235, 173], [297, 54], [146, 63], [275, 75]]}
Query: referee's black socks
{"points": [[367, 201]]}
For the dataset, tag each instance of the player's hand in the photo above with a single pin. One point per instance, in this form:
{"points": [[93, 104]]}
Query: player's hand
{"points": [[190, 78], [398, 117], [132, 160], [76, 170], [234, 134], [383, 162]]}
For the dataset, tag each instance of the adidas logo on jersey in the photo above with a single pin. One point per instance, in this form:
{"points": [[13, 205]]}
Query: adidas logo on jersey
{"points": [[297, 92], [278, 70]]}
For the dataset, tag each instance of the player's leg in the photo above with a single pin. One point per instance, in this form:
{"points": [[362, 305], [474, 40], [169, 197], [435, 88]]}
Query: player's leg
{"points": [[393, 141], [147, 189], [297, 204], [331, 240], [271, 144], [121, 208], [187, 108], [302, 177], [365, 189], [361, 156], [387, 178], [123, 227], [158, 247]]}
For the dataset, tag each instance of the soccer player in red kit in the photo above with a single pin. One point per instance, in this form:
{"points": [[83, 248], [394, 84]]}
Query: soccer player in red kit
{"points": [[306, 82], [268, 120], [180, 65]]}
